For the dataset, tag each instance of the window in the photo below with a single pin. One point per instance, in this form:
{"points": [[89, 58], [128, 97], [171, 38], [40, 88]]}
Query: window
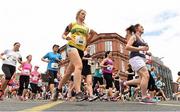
{"points": [[63, 54], [121, 48], [122, 66], [92, 49], [108, 46]]}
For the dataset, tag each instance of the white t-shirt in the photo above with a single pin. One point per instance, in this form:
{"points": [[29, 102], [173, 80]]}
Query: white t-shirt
{"points": [[11, 57]]}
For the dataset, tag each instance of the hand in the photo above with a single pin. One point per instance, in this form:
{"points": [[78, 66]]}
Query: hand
{"points": [[58, 59], [47, 61], [143, 48], [68, 38], [149, 53], [3, 59]]}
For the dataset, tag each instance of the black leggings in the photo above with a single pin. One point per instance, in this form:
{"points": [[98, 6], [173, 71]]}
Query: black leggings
{"points": [[51, 76], [109, 80], [23, 84], [8, 71], [96, 80], [34, 88]]}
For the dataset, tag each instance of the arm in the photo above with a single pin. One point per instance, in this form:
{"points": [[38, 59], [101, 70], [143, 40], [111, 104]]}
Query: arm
{"points": [[20, 60], [132, 48], [131, 73], [84, 58], [102, 63], [44, 58], [178, 80], [91, 34], [1, 56], [20, 67], [66, 32]]}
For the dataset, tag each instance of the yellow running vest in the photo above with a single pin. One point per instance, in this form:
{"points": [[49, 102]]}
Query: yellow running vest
{"points": [[79, 35]]}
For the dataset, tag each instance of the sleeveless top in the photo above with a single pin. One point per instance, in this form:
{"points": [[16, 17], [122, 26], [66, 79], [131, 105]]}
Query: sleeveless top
{"points": [[108, 69], [138, 42], [26, 69], [79, 33]]}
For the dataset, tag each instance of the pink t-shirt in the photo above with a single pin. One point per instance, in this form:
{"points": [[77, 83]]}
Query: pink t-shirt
{"points": [[26, 69], [35, 76]]}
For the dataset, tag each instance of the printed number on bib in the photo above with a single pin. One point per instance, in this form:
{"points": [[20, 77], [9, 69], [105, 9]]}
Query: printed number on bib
{"points": [[54, 65], [35, 78], [109, 68], [89, 62], [26, 72], [142, 52], [80, 40]]}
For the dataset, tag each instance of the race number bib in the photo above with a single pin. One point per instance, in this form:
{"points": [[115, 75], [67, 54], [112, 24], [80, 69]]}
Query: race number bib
{"points": [[80, 40], [109, 68], [26, 72], [54, 65], [142, 52], [89, 62], [35, 78]]}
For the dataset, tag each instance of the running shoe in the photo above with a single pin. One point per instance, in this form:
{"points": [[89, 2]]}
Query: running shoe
{"points": [[104, 98], [56, 94], [114, 99], [148, 100], [92, 98], [20, 98], [80, 97]]}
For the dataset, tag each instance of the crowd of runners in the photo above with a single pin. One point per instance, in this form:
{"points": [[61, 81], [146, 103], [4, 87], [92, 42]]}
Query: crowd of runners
{"points": [[78, 83]]}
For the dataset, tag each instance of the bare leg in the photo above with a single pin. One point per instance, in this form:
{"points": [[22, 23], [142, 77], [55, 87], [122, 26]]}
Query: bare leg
{"points": [[67, 75], [77, 62], [4, 84], [133, 82], [75, 66], [89, 84], [143, 72]]}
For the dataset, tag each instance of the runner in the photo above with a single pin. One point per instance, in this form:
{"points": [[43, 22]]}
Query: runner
{"points": [[86, 72], [34, 78], [10, 59], [25, 69], [107, 69], [53, 59], [98, 77], [78, 35], [137, 48]]}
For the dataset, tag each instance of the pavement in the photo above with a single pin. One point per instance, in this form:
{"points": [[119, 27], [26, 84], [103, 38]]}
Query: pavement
{"points": [[46, 105]]}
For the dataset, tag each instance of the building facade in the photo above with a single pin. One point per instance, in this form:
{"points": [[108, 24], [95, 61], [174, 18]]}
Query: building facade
{"points": [[165, 73], [111, 42]]}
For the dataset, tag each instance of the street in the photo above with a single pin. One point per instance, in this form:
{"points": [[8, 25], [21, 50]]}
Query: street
{"points": [[46, 105]]}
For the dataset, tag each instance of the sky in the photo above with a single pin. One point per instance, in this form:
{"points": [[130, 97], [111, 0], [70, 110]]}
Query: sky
{"points": [[38, 24]]}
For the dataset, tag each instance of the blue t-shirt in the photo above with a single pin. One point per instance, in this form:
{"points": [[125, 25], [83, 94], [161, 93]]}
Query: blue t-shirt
{"points": [[53, 64]]}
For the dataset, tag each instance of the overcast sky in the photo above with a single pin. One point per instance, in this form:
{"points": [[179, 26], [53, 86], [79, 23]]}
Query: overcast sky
{"points": [[38, 24]]}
